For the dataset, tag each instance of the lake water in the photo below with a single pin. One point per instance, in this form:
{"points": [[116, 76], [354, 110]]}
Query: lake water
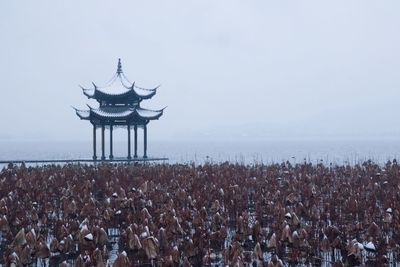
{"points": [[329, 151]]}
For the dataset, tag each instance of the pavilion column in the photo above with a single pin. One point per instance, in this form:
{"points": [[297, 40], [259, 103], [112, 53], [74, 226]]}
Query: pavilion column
{"points": [[111, 142], [129, 141], [94, 142], [135, 141], [103, 157], [145, 141]]}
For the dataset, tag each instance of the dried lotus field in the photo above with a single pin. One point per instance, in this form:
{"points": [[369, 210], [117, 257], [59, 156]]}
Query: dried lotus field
{"points": [[207, 215]]}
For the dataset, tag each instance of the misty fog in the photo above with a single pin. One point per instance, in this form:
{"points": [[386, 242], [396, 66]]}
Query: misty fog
{"points": [[236, 70]]}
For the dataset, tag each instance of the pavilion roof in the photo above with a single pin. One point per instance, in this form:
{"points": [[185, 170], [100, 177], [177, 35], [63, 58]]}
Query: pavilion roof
{"points": [[119, 87], [119, 113]]}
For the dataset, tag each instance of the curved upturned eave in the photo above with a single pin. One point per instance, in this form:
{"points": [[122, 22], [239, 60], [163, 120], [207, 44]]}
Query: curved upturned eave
{"points": [[139, 113], [83, 114], [132, 119], [88, 92], [151, 114], [144, 96], [134, 92], [131, 92]]}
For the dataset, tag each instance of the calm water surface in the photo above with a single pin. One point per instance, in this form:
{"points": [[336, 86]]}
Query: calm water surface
{"points": [[329, 151]]}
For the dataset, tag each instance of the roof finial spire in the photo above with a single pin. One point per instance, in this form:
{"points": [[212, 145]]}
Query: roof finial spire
{"points": [[119, 68]]}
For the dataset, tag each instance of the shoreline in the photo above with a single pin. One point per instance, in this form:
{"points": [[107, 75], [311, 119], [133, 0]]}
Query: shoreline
{"points": [[82, 160], [206, 162]]}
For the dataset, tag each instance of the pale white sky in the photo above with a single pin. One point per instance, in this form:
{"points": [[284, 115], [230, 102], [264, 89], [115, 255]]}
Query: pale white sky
{"points": [[228, 69]]}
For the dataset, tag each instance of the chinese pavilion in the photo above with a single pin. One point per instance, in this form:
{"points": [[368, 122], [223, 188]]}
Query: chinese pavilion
{"points": [[119, 106]]}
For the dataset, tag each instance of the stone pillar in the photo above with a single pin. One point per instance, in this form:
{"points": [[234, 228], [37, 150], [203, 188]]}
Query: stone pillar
{"points": [[135, 141], [94, 143], [129, 142], [145, 141], [103, 157], [111, 142]]}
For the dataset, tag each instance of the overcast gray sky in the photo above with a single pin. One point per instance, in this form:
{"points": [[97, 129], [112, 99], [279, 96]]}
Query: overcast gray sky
{"points": [[228, 69]]}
